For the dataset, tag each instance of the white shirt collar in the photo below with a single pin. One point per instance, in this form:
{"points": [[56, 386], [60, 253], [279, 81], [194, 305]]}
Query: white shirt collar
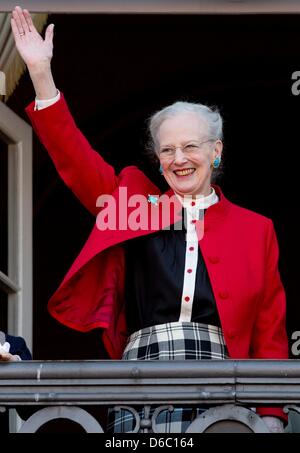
{"points": [[199, 202]]}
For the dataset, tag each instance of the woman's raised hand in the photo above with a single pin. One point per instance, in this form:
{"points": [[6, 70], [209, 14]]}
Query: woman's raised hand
{"points": [[34, 50]]}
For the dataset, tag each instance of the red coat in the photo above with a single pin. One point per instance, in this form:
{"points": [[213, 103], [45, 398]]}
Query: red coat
{"points": [[239, 248]]}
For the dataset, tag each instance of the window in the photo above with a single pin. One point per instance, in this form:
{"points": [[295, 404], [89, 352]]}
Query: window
{"points": [[15, 225]]}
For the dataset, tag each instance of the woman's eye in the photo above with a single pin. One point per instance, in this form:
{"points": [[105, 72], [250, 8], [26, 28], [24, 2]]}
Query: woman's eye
{"points": [[190, 147]]}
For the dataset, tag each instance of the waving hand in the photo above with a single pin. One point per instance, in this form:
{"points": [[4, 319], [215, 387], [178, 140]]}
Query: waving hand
{"points": [[31, 46], [35, 51]]}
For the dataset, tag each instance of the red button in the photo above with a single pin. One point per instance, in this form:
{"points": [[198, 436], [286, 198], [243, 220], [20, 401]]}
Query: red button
{"points": [[191, 249], [190, 270], [193, 221], [193, 203], [187, 298]]}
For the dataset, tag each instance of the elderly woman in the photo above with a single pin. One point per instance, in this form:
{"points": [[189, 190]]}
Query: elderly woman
{"points": [[205, 289]]}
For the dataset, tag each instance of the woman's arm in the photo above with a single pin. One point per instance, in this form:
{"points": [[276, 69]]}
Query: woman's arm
{"points": [[81, 167], [269, 339]]}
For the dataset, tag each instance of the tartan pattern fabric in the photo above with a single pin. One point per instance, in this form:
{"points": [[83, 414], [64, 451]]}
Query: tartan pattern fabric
{"points": [[171, 341], [176, 341]]}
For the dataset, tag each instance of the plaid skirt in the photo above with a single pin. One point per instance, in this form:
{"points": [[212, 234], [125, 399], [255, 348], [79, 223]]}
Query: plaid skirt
{"points": [[171, 341]]}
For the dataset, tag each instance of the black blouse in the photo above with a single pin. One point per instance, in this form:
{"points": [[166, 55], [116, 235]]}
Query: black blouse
{"points": [[154, 282]]}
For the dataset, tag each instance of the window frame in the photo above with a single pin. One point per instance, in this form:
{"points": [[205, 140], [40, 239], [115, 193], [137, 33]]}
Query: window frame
{"points": [[17, 283]]}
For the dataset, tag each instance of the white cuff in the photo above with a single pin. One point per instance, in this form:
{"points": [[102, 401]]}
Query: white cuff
{"points": [[41, 104]]}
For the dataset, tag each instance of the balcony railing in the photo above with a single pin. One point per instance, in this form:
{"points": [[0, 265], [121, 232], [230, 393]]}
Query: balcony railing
{"points": [[228, 388]]}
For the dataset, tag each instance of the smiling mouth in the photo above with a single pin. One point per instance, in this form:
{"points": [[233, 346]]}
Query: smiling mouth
{"points": [[184, 172]]}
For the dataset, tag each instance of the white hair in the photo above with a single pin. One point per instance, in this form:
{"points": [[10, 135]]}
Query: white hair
{"points": [[210, 115]]}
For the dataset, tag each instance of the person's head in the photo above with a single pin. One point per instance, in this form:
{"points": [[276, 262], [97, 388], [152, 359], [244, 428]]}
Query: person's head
{"points": [[187, 139]]}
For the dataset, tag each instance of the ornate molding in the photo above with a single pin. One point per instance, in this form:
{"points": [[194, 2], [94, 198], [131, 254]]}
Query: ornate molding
{"points": [[76, 414], [160, 7], [157, 385]]}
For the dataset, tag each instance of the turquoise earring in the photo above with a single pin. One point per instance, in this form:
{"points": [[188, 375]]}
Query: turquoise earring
{"points": [[160, 169], [216, 162]]}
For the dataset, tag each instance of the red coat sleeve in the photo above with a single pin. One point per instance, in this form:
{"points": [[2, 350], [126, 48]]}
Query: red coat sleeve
{"points": [[82, 169], [269, 340]]}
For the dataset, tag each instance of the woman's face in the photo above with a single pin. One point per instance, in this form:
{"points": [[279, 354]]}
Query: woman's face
{"points": [[186, 155]]}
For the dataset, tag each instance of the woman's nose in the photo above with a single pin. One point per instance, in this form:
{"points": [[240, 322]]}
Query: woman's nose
{"points": [[179, 156]]}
